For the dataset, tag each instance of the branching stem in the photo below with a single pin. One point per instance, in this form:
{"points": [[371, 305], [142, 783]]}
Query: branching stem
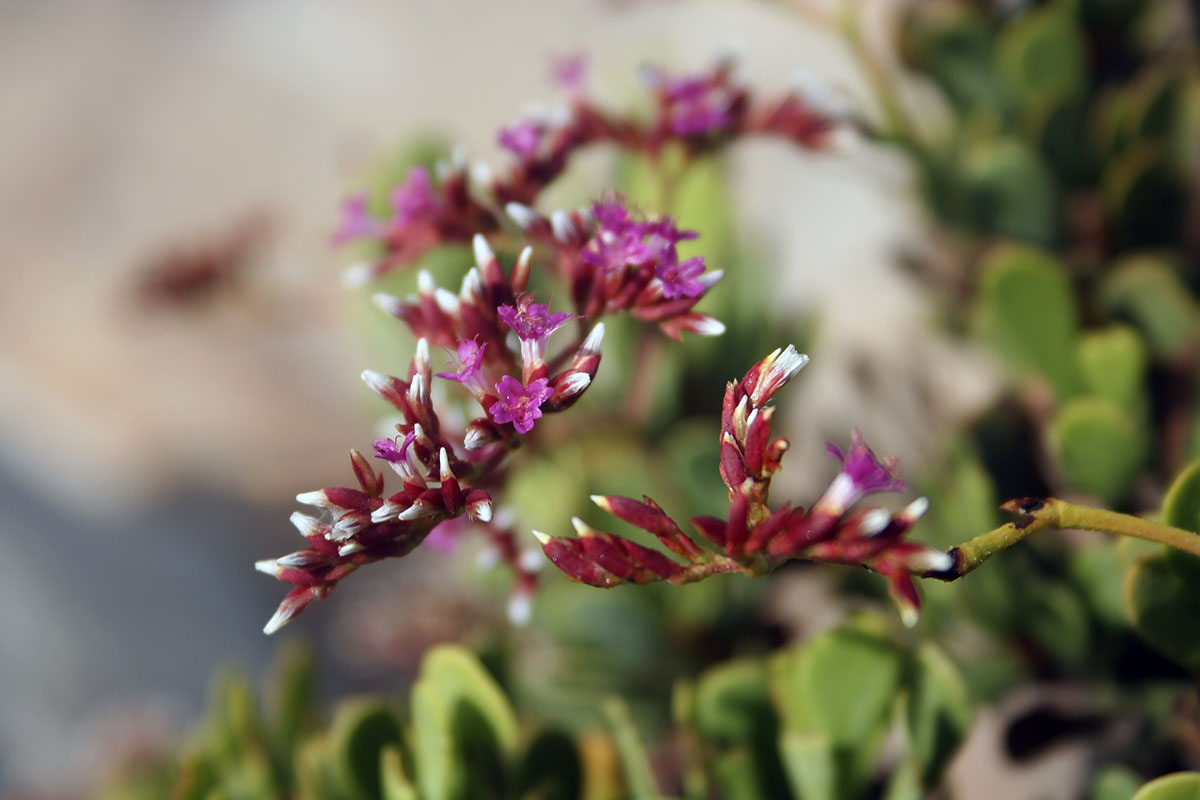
{"points": [[1053, 513]]}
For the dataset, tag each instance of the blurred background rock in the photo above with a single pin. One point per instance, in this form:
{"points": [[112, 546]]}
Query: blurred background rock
{"points": [[151, 436]]}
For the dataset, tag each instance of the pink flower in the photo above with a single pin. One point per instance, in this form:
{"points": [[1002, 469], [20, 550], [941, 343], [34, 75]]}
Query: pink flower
{"points": [[679, 280], [520, 404], [522, 139], [388, 450], [862, 474], [618, 241], [695, 106], [356, 222], [532, 321], [570, 72], [414, 200], [469, 361]]}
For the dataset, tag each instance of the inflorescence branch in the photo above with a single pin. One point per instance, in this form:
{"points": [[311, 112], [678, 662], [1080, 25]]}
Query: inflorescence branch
{"points": [[612, 259]]}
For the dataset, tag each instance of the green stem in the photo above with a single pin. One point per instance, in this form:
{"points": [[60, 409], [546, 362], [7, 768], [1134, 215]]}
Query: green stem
{"points": [[1054, 513]]}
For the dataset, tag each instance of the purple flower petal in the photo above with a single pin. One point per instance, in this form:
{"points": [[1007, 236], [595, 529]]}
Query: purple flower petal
{"points": [[414, 200], [519, 404], [469, 361], [522, 139], [356, 222], [679, 280]]}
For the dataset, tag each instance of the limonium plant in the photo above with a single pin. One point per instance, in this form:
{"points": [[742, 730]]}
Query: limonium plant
{"points": [[520, 361]]}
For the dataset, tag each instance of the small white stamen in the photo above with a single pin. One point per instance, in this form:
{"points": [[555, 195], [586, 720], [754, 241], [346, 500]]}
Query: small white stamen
{"points": [[416, 389], [425, 282], [314, 498], [874, 522], [483, 253], [447, 301], [304, 523], [531, 560], [789, 362], [563, 228], [520, 608], [708, 326], [916, 509], [481, 510], [574, 384], [930, 561], [592, 343], [378, 382], [524, 258], [277, 621], [474, 439], [523, 215], [482, 174], [389, 303], [385, 512], [472, 286], [487, 558], [297, 560], [415, 511], [350, 548]]}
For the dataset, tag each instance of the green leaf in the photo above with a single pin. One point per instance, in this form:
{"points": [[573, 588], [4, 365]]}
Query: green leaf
{"points": [[1058, 621], [842, 686], [1181, 505], [1113, 363], [1100, 449], [291, 702], [951, 43], [732, 703], [360, 732], [1027, 312], [1145, 290], [1042, 56], [1004, 188], [639, 779], [937, 714], [1179, 786], [734, 716], [433, 745], [1165, 610], [393, 780], [464, 727], [1115, 782], [1097, 570], [233, 727], [810, 765]]}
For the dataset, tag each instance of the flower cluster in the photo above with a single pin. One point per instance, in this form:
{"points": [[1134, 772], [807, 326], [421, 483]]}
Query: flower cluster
{"points": [[696, 113], [441, 470], [612, 259], [754, 537], [615, 260]]}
